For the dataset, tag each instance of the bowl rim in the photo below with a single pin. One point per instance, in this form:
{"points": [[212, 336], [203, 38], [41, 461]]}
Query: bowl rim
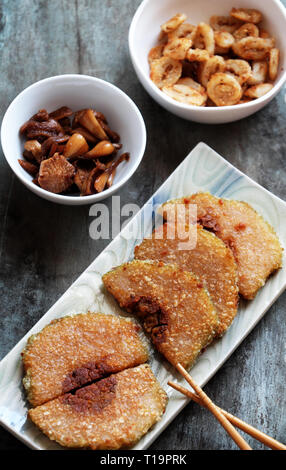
{"points": [[200, 109], [74, 200]]}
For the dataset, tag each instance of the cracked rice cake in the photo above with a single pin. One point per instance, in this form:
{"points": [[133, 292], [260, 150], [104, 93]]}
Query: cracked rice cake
{"points": [[76, 350], [112, 413]]}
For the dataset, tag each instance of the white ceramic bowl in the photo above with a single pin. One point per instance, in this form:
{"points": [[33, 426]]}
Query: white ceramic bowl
{"points": [[77, 92], [143, 35]]}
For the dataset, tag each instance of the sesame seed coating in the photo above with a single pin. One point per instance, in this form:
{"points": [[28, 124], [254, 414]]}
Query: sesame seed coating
{"points": [[210, 259], [175, 307], [253, 241], [110, 414], [75, 350]]}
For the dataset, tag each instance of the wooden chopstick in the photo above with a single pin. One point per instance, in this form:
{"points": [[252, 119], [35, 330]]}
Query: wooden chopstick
{"points": [[234, 434], [258, 435]]}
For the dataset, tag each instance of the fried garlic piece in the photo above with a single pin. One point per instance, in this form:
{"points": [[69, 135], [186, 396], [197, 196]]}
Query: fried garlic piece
{"points": [[223, 39], [177, 48], [257, 91], [185, 30], [224, 23], [155, 53], [224, 89], [205, 38], [246, 30], [273, 63], [173, 23], [192, 83], [239, 68], [249, 15], [165, 71], [185, 94], [258, 72], [206, 69], [197, 55], [253, 48]]}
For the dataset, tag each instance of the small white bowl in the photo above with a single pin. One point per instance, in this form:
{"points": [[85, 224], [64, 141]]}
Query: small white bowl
{"points": [[143, 35], [77, 92]]}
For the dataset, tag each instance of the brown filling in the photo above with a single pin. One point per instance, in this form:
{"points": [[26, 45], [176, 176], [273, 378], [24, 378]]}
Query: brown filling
{"points": [[85, 374], [155, 320], [209, 222], [93, 398]]}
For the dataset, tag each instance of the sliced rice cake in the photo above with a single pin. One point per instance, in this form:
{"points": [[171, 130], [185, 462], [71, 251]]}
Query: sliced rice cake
{"points": [[112, 413], [253, 241], [210, 259], [173, 304], [75, 350]]}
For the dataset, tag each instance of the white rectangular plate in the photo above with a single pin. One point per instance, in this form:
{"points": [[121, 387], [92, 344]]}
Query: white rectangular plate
{"points": [[202, 170]]}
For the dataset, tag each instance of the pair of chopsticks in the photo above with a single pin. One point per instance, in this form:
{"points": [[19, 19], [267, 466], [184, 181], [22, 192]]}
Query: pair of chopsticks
{"points": [[226, 419]]}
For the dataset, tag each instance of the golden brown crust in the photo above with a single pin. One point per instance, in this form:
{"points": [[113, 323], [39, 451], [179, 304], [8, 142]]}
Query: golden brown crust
{"points": [[209, 259], [175, 308], [110, 414], [75, 350], [254, 243]]}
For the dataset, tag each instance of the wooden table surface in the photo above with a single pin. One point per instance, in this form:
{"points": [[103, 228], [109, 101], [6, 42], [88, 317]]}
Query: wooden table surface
{"points": [[44, 246]]}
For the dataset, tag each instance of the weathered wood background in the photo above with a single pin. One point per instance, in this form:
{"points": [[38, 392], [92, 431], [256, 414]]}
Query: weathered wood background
{"points": [[44, 247]]}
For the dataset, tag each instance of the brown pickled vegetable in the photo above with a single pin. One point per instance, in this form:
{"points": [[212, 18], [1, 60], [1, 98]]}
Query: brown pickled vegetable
{"points": [[29, 167], [66, 150], [56, 174], [101, 149], [75, 146]]}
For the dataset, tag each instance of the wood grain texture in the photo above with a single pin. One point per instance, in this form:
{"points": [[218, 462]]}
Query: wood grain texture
{"points": [[44, 247]]}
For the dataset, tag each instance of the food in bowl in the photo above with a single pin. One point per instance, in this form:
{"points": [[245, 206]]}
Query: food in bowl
{"points": [[68, 156], [230, 61]]}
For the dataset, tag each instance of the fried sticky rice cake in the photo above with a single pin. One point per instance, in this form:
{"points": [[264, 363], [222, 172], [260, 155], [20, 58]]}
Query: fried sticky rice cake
{"points": [[112, 413], [254, 243], [75, 350], [210, 259], [175, 307]]}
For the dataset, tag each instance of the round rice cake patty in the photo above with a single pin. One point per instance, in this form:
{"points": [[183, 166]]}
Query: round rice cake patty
{"points": [[75, 350], [210, 259], [112, 413], [253, 241], [175, 307]]}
